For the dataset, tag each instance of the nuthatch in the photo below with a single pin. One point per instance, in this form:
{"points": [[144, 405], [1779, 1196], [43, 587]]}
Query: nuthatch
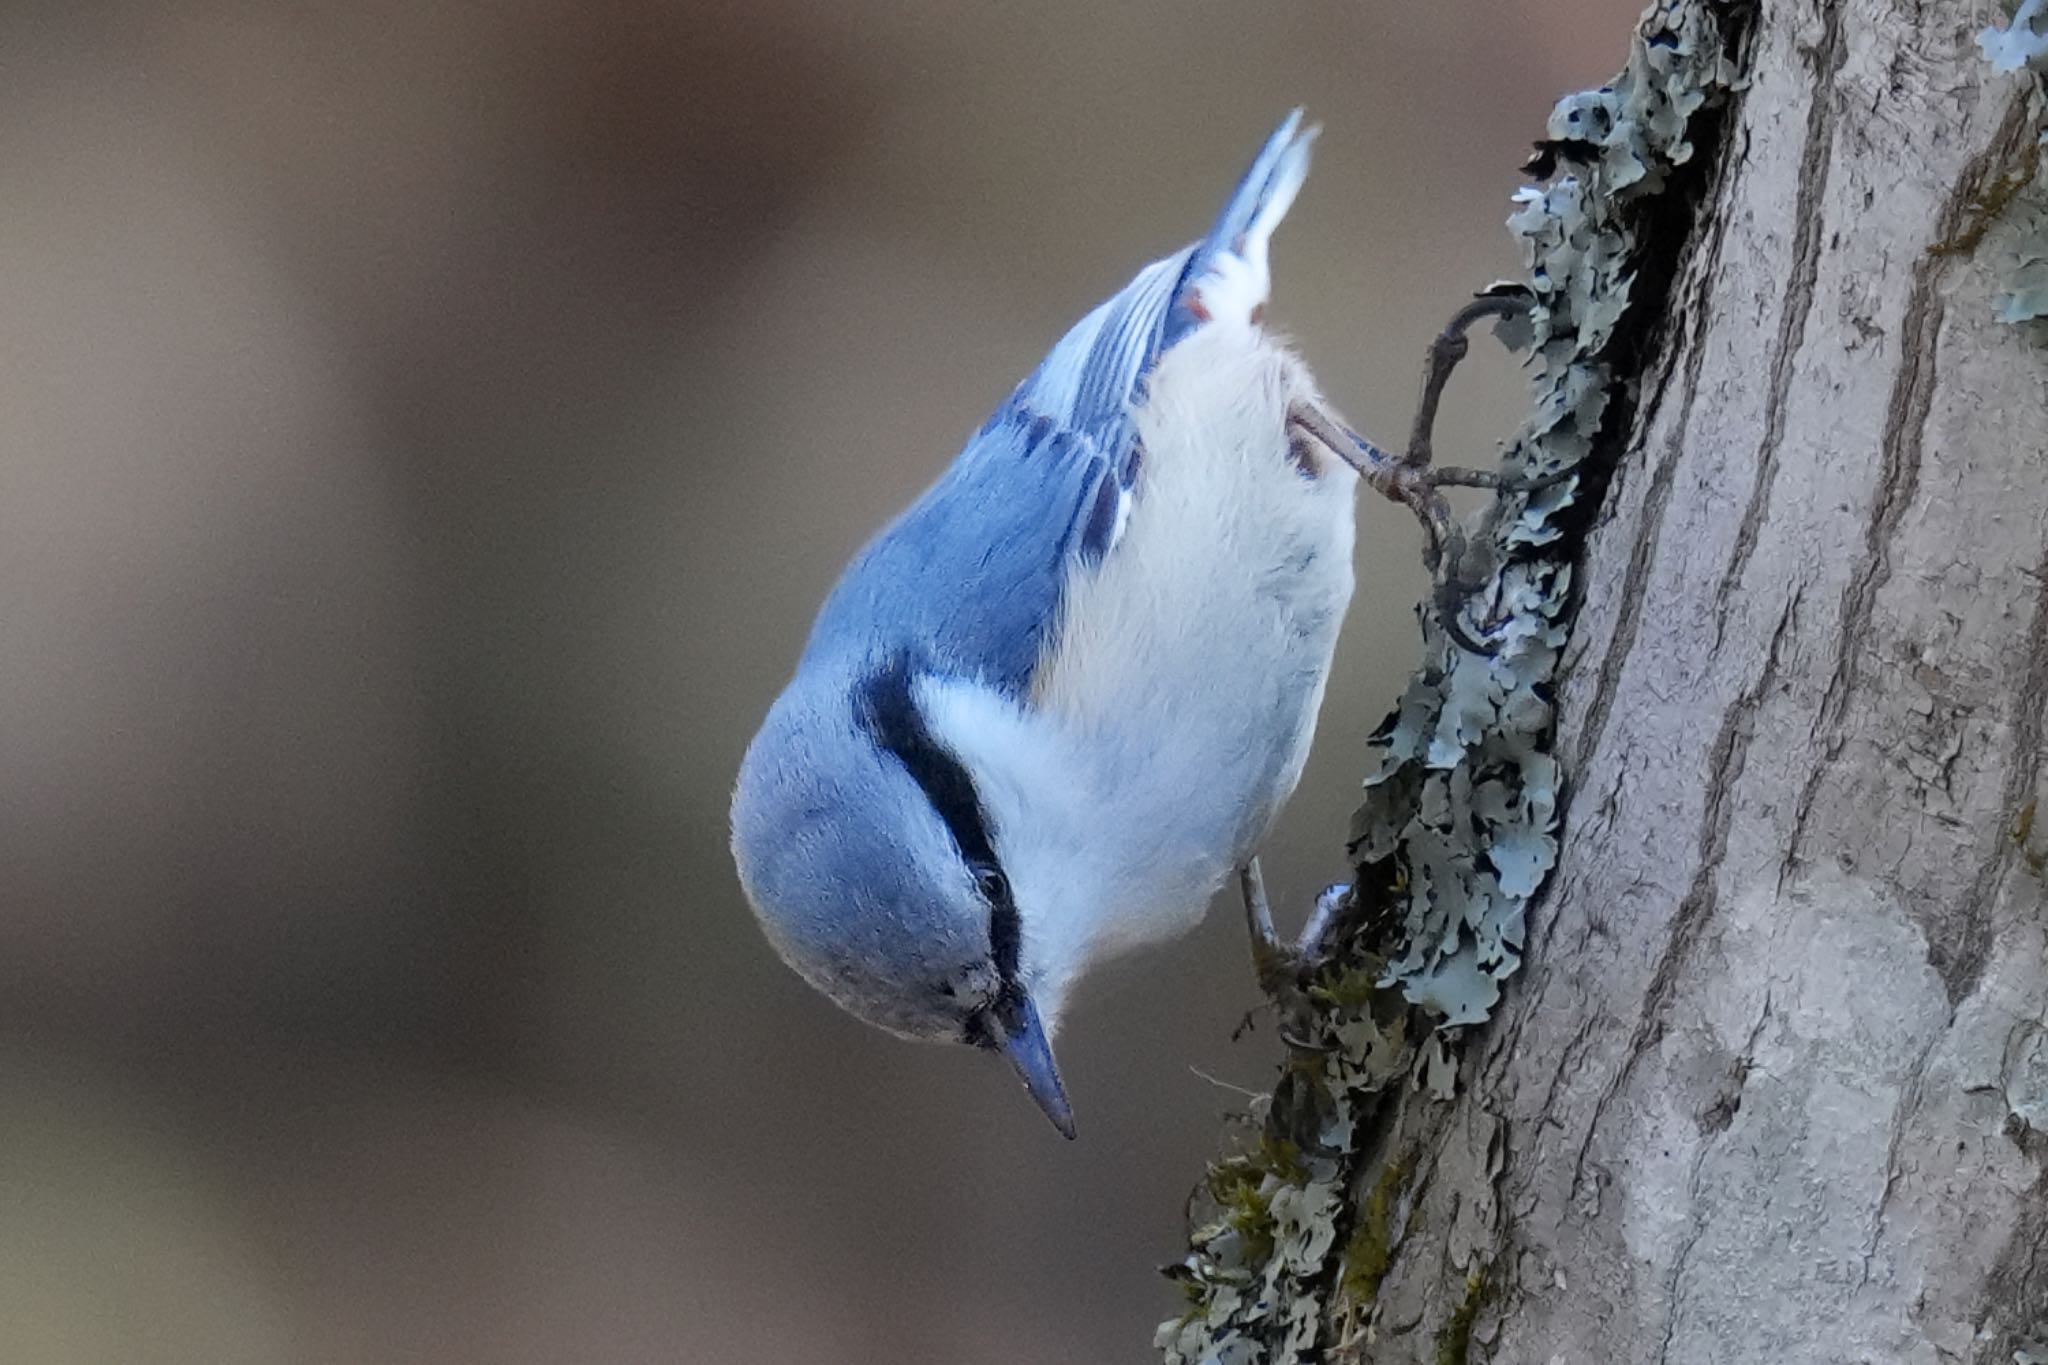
{"points": [[1053, 707]]}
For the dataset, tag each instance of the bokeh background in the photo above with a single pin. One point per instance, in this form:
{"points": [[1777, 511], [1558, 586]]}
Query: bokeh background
{"points": [[425, 431]]}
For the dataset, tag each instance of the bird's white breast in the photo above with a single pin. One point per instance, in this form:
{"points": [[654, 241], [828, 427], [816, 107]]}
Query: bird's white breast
{"points": [[1173, 711]]}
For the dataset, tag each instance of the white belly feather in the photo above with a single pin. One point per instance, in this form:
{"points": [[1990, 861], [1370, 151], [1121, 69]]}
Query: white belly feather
{"points": [[1173, 712], [1189, 668]]}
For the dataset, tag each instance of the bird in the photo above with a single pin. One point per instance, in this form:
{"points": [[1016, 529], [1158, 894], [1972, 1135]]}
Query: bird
{"points": [[1050, 710]]}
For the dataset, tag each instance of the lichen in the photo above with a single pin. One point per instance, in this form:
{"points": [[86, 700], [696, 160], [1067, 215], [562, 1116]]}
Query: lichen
{"points": [[1464, 796], [2020, 47], [1259, 1268], [1458, 828], [2022, 43]]}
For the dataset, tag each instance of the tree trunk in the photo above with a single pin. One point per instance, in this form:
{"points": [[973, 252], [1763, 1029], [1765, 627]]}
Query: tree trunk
{"points": [[1772, 1085]]}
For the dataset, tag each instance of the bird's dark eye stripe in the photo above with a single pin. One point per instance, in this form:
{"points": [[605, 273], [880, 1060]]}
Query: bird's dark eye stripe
{"points": [[1005, 938], [887, 708]]}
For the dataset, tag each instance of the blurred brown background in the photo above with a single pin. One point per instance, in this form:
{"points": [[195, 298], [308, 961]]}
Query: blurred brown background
{"points": [[425, 431]]}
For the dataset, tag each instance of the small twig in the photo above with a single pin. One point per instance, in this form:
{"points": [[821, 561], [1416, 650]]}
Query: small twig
{"points": [[1254, 1096]]}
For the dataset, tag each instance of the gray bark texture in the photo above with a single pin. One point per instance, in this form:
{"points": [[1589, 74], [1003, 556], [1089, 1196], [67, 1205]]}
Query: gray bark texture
{"points": [[1772, 1082], [1771, 1086]]}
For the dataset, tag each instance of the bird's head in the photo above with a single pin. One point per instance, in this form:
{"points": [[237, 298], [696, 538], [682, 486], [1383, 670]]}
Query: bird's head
{"points": [[877, 872]]}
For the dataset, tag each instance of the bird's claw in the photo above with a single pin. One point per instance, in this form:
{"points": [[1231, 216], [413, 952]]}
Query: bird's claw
{"points": [[1284, 969], [1273, 962], [1415, 481]]}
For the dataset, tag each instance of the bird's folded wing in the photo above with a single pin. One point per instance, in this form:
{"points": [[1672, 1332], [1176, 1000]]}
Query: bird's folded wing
{"points": [[968, 581]]}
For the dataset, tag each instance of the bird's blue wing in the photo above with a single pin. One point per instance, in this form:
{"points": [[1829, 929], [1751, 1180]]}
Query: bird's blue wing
{"points": [[969, 579]]}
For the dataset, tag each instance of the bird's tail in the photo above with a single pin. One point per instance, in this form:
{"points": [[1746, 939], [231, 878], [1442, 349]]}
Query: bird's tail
{"points": [[1088, 381], [1227, 275]]}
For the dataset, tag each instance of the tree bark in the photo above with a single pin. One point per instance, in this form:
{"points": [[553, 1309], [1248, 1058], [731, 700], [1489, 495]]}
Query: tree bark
{"points": [[1772, 1085], [1769, 1088]]}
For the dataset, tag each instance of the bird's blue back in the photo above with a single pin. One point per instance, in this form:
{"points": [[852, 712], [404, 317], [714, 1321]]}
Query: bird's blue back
{"points": [[968, 581]]}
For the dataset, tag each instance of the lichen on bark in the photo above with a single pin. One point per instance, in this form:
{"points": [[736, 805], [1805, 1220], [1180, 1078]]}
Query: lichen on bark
{"points": [[2020, 47], [1457, 830]]}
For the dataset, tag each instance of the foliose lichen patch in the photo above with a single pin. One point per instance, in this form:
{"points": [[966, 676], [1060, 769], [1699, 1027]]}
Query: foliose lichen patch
{"points": [[1458, 829], [2021, 47]]}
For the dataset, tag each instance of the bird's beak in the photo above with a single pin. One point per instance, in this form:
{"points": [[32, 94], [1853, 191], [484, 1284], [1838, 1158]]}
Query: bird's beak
{"points": [[1014, 1021]]}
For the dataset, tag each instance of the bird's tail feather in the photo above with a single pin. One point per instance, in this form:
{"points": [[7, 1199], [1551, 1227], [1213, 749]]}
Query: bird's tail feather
{"points": [[1089, 380], [1228, 274]]}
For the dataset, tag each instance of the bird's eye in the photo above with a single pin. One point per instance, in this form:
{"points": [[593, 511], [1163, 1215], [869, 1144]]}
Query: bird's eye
{"points": [[994, 886]]}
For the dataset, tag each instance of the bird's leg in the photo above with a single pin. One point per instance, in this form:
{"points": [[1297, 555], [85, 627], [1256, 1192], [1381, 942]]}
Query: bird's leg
{"points": [[1273, 962], [1412, 478], [1448, 348], [1283, 969]]}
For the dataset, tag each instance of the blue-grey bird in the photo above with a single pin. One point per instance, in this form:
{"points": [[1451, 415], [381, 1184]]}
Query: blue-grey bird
{"points": [[1050, 709]]}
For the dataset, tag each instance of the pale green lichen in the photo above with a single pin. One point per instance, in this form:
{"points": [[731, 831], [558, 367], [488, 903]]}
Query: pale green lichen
{"points": [[2021, 46], [1464, 796], [2022, 43], [1259, 1269], [1458, 829]]}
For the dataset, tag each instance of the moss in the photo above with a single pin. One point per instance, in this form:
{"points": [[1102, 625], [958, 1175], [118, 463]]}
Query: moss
{"points": [[2022, 834], [1370, 1250], [1454, 1342], [1242, 1188], [1241, 1197], [1353, 988], [1991, 201]]}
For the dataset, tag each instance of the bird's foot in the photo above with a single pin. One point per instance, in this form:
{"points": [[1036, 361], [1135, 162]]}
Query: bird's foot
{"points": [[1414, 480], [1284, 969]]}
